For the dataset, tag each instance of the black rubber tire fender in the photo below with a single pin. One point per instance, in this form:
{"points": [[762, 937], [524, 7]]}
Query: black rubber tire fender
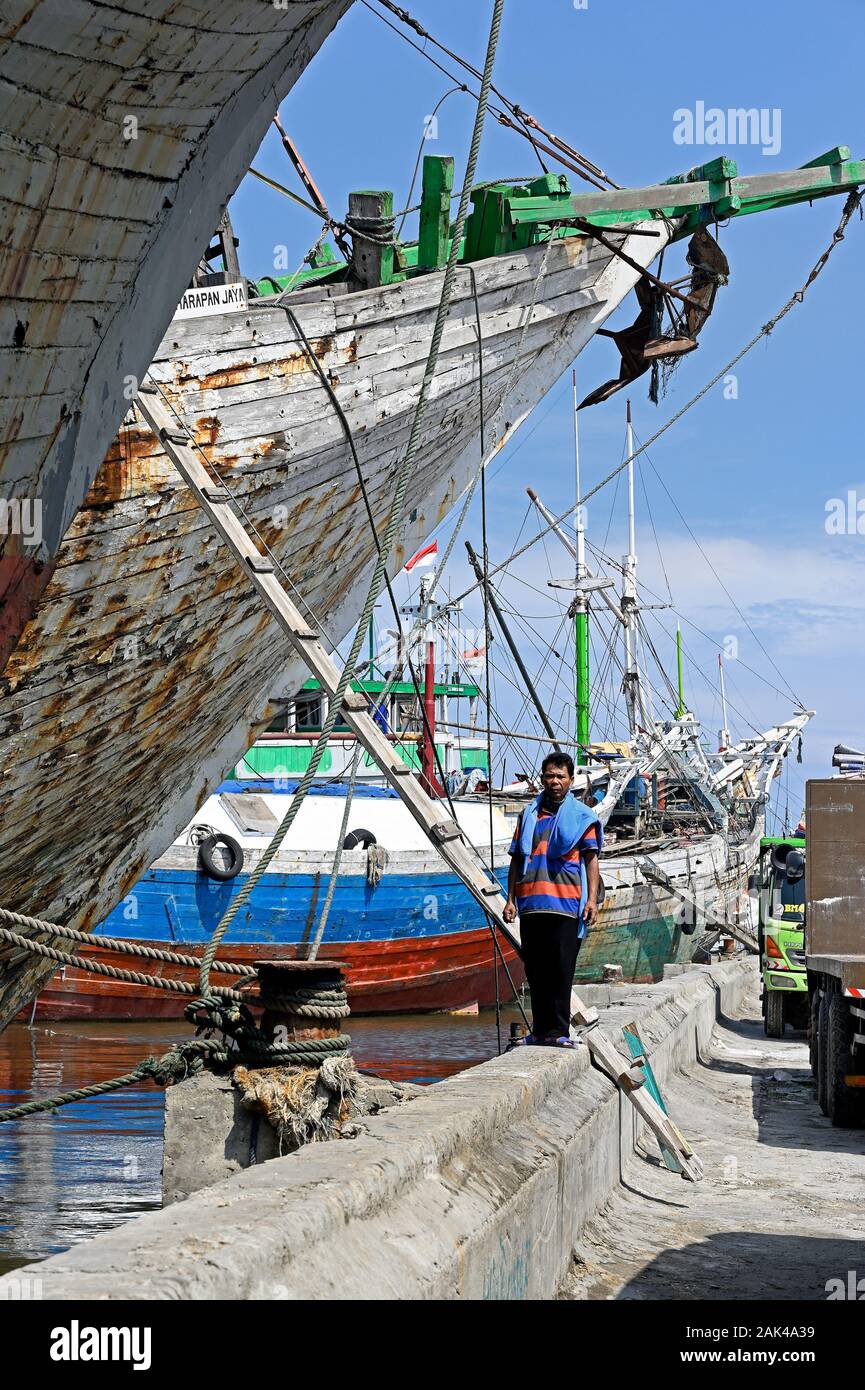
{"points": [[846, 1106], [774, 1022], [209, 864], [822, 1052], [359, 839]]}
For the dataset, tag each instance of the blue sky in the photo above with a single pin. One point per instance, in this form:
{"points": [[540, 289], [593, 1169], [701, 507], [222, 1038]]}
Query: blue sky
{"points": [[753, 475]]}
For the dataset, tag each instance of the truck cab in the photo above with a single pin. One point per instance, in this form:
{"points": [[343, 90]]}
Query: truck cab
{"points": [[781, 882]]}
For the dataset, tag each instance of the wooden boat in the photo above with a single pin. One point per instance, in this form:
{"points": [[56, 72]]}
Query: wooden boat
{"points": [[124, 130], [411, 939], [146, 638]]}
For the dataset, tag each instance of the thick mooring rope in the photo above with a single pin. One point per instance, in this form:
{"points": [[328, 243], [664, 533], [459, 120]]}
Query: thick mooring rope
{"points": [[390, 531], [181, 1061], [120, 944], [111, 972]]}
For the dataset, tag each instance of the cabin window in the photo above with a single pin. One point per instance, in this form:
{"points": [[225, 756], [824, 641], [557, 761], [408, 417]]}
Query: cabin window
{"points": [[308, 712]]}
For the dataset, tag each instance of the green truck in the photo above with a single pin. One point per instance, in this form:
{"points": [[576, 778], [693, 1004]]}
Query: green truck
{"points": [[780, 879]]}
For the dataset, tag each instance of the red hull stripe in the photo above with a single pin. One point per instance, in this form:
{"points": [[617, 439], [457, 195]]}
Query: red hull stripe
{"points": [[411, 975]]}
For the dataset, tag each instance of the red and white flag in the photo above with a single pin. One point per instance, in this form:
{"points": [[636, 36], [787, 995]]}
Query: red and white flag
{"points": [[473, 658], [427, 555]]}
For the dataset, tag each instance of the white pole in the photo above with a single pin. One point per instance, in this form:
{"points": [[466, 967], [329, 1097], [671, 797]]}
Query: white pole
{"points": [[579, 511], [724, 735], [629, 592]]}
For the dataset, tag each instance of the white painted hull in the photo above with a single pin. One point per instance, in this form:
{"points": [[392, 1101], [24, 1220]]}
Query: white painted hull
{"points": [[124, 130]]}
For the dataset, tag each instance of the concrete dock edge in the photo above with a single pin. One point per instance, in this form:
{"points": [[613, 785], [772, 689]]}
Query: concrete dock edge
{"points": [[478, 1189]]}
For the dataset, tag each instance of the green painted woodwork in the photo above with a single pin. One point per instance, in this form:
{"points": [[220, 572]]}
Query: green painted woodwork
{"points": [[581, 634], [455, 690], [282, 759], [510, 217], [435, 212], [507, 217], [473, 757], [680, 708]]}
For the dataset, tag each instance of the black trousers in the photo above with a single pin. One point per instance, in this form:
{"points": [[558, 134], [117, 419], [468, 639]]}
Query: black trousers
{"points": [[550, 950]]}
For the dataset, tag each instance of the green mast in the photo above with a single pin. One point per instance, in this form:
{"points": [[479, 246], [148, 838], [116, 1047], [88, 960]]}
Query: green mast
{"points": [[581, 603], [681, 708]]}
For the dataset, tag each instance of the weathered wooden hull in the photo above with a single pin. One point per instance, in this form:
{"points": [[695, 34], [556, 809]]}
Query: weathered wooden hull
{"points": [[146, 669], [124, 129]]}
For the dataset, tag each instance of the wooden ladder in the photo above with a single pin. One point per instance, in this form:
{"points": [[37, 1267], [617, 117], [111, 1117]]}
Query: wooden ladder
{"points": [[440, 828]]}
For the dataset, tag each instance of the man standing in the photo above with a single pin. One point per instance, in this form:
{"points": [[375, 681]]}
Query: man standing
{"points": [[553, 886]]}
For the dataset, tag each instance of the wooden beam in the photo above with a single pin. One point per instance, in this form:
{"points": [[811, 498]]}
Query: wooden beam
{"points": [[435, 212]]}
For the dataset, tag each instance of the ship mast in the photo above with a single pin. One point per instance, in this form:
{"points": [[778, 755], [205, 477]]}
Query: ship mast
{"points": [[631, 682], [581, 603], [724, 733]]}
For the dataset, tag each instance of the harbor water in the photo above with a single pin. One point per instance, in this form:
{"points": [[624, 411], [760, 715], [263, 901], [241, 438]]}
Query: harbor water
{"points": [[72, 1173]]}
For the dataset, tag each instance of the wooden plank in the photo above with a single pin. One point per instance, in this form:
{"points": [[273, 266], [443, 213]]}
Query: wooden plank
{"points": [[638, 1053]]}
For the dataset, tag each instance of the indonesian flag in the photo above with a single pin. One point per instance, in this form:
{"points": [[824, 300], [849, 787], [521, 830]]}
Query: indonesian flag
{"points": [[427, 555], [473, 658]]}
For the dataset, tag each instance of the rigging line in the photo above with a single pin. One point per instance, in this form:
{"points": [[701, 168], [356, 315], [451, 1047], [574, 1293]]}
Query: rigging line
{"points": [[723, 586], [401, 481], [853, 201], [671, 691], [452, 539], [497, 111], [549, 651], [680, 613], [582, 165], [236, 500], [388, 583], [439, 104], [642, 477], [712, 641], [509, 453], [487, 635], [611, 515], [525, 119], [288, 193]]}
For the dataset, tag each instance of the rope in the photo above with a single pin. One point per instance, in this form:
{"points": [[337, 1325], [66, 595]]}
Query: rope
{"points": [[248, 1043], [112, 972], [452, 539], [390, 530], [487, 636], [337, 859], [181, 1061], [458, 87], [405, 643], [853, 201], [114, 943]]}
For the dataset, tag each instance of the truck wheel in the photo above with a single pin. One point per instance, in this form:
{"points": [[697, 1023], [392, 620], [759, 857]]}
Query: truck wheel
{"points": [[822, 1052], [845, 1105], [773, 1025], [813, 1024]]}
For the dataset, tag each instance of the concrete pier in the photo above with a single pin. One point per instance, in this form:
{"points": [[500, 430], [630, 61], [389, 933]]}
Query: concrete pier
{"points": [[480, 1188]]}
